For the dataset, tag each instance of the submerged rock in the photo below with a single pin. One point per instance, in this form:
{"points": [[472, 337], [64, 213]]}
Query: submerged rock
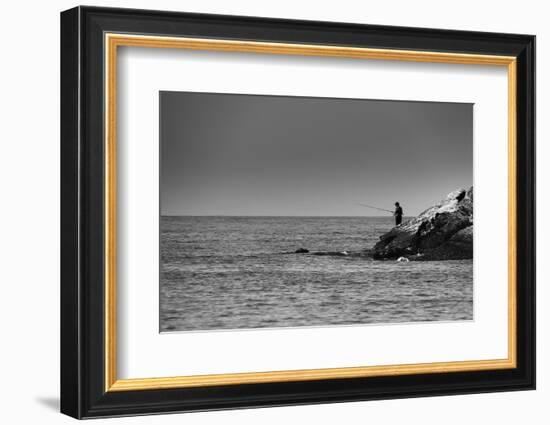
{"points": [[442, 232], [334, 253]]}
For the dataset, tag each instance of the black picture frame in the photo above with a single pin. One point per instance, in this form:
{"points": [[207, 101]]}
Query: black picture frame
{"points": [[83, 392]]}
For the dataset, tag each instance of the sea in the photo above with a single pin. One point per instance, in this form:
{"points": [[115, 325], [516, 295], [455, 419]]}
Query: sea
{"points": [[222, 273]]}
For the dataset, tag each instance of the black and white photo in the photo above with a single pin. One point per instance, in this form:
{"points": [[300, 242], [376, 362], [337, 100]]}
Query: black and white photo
{"points": [[280, 211]]}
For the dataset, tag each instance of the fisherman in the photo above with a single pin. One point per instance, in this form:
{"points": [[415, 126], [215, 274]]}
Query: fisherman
{"points": [[398, 214]]}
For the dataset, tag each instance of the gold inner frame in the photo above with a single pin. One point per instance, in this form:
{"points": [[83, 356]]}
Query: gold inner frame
{"points": [[113, 41]]}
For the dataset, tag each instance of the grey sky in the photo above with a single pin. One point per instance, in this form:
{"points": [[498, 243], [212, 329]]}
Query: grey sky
{"points": [[226, 154]]}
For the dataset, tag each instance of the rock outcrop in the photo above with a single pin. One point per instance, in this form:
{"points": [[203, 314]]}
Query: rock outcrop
{"points": [[442, 232]]}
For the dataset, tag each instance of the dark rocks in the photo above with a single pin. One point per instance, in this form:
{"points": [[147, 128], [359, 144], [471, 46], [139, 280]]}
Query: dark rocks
{"points": [[459, 247], [442, 232]]}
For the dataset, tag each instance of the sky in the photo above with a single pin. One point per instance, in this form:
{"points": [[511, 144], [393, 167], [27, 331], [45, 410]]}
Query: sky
{"points": [[249, 155]]}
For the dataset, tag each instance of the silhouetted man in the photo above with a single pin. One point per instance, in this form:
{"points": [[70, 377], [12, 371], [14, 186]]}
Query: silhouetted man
{"points": [[398, 214]]}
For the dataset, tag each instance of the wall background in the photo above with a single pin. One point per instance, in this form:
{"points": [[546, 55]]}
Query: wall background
{"points": [[29, 213]]}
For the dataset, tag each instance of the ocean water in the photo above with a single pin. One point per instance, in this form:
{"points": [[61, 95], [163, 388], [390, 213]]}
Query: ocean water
{"points": [[241, 272]]}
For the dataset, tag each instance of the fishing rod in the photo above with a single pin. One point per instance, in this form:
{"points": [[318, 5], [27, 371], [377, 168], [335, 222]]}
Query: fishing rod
{"points": [[375, 208]]}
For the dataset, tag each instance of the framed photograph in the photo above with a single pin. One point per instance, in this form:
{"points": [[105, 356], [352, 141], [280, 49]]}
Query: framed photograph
{"points": [[261, 212]]}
